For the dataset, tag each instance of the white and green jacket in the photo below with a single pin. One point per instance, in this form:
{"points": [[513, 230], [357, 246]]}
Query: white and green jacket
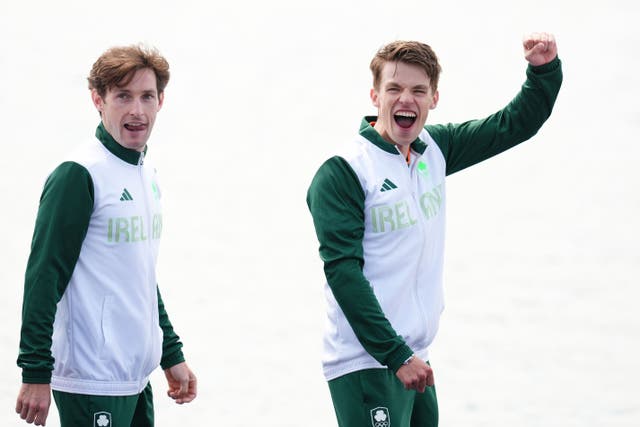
{"points": [[380, 223], [93, 321]]}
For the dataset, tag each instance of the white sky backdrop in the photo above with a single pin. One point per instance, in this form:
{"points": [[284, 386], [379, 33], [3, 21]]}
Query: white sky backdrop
{"points": [[542, 278]]}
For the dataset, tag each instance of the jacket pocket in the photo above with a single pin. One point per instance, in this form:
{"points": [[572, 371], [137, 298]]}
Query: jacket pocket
{"points": [[106, 327]]}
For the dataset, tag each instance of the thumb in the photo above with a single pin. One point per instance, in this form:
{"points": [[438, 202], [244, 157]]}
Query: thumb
{"points": [[539, 47], [430, 379], [184, 385]]}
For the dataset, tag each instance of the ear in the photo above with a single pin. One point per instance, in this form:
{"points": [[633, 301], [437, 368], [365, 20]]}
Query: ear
{"points": [[434, 104], [374, 97], [97, 100], [160, 100]]}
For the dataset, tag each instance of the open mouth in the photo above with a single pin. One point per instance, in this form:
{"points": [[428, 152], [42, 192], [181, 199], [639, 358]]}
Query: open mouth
{"points": [[405, 119], [135, 127]]}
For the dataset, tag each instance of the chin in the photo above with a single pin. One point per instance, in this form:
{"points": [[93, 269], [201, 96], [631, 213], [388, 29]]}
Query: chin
{"points": [[134, 145], [406, 140], [409, 135]]}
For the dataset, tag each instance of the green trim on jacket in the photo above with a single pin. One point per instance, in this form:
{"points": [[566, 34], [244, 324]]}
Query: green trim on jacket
{"points": [[367, 130], [171, 345], [336, 201], [125, 154], [472, 142], [61, 225]]}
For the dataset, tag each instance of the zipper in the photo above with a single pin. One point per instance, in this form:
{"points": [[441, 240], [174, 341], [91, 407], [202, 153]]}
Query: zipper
{"points": [[148, 224], [411, 170]]}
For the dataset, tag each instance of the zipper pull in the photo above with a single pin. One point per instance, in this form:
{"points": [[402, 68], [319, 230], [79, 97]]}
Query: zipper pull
{"points": [[141, 159]]}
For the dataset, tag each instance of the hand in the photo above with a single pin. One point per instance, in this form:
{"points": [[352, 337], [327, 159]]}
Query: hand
{"points": [[182, 383], [416, 375], [33, 403], [539, 48]]}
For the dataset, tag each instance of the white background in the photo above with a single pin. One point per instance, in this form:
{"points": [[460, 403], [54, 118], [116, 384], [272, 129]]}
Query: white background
{"points": [[542, 278]]}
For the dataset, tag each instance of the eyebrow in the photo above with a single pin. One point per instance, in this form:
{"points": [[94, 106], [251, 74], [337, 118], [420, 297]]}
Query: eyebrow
{"points": [[146, 91], [419, 86]]}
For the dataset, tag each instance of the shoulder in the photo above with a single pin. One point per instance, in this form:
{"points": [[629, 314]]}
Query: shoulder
{"points": [[345, 162], [72, 175], [334, 172], [69, 171], [89, 154]]}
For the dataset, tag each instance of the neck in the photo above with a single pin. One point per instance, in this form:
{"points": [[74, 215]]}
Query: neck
{"points": [[404, 149]]}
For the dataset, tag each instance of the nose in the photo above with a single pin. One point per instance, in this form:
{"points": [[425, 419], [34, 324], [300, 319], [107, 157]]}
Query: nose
{"points": [[405, 97], [136, 107]]}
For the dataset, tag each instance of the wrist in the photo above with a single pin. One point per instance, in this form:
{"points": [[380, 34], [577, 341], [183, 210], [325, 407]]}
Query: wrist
{"points": [[545, 68], [399, 356], [408, 360]]}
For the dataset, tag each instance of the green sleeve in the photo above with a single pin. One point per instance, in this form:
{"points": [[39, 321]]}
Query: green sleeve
{"points": [[336, 201], [468, 143], [63, 218], [171, 345]]}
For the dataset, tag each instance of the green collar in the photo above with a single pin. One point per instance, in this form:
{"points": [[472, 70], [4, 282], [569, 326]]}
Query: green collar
{"points": [[367, 131], [125, 154]]}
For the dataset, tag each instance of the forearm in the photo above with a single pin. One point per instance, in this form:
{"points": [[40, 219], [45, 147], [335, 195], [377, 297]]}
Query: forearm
{"points": [[336, 202], [362, 310], [61, 225], [474, 141], [171, 345]]}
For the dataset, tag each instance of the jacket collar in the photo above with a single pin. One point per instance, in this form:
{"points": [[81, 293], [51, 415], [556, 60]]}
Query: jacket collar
{"points": [[125, 154], [372, 135]]}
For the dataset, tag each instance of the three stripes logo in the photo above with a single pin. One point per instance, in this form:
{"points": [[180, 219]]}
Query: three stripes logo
{"points": [[388, 185], [126, 196]]}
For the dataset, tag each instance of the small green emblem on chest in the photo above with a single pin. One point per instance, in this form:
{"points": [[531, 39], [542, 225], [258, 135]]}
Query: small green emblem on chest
{"points": [[423, 170]]}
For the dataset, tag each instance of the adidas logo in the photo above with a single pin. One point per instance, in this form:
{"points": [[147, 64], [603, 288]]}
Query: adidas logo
{"points": [[126, 196], [388, 185]]}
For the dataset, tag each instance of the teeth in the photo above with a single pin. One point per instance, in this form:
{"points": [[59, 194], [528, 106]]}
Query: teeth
{"points": [[406, 114]]}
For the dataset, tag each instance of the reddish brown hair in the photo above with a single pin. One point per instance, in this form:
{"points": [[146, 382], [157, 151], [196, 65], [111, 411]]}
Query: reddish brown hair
{"points": [[408, 52], [117, 66]]}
